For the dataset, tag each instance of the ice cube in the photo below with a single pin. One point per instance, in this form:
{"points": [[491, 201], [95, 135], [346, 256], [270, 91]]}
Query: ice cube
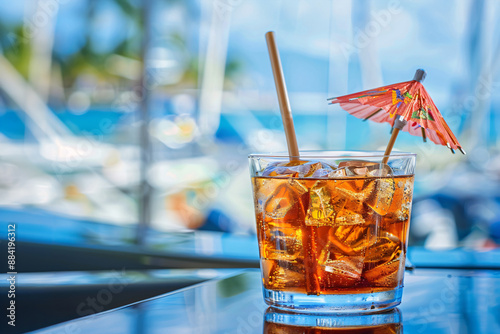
{"points": [[278, 201], [365, 168], [322, 173], [335, 203], [282, 274], [283, 199], [376, 190], [348, 217], [385, 275], [264, 188], [349, 201], [383, 261], [350, 266], [386, 248], [288, 169], [298, 185], [342, 272], [401, 203], [338, 173], [330, 173], [324, 203], [319, 173], [309, 168], [298, 169], [357, 238], [356, 167], [408, 190], [326, 171], [379, 194], [349, 240], [353, 210], [380, 170], [283, 243], [277, 169]]}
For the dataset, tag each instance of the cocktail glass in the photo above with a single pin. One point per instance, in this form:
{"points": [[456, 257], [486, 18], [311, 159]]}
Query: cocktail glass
{"points": [[332, 228]]}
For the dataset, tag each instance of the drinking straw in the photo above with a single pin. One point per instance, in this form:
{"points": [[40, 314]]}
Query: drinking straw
{"points": [[284, 103], [309, 236]]}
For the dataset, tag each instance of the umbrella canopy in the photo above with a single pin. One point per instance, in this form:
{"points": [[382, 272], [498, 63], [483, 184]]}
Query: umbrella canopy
{"points": [[406, 106]]}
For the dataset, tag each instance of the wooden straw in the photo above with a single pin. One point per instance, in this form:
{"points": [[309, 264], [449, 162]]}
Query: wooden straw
{"points": [[286, 111], [310, 259]]}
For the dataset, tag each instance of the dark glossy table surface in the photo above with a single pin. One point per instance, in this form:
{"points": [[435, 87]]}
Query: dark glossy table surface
{"points": [[434, 301]]}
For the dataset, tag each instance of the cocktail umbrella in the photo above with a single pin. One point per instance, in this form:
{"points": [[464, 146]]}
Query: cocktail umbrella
{"points": [[406, 106]]}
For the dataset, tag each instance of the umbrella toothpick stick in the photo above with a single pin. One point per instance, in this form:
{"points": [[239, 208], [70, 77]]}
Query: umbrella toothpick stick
{"points": [[400, 121], [284, 103], [399, 124]]}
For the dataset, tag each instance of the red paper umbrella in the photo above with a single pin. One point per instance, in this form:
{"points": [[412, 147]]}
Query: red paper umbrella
{"points": [[406, 106]]}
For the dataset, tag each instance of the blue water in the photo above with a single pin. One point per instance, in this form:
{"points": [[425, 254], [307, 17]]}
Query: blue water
{"points": [[312, 130], [13, 125]]}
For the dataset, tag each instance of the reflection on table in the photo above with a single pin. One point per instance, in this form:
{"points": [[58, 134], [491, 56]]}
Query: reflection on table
{"points": [[282, 322]]}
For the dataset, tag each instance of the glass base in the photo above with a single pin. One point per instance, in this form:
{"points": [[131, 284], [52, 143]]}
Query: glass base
{"points": [[350, 303], [388, 319]]}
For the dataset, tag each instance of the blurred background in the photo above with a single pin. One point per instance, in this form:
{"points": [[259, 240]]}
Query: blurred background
{"points": [[128, 122]]}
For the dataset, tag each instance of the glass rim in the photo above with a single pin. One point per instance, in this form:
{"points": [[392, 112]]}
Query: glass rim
{"points": [[329, 154]]}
